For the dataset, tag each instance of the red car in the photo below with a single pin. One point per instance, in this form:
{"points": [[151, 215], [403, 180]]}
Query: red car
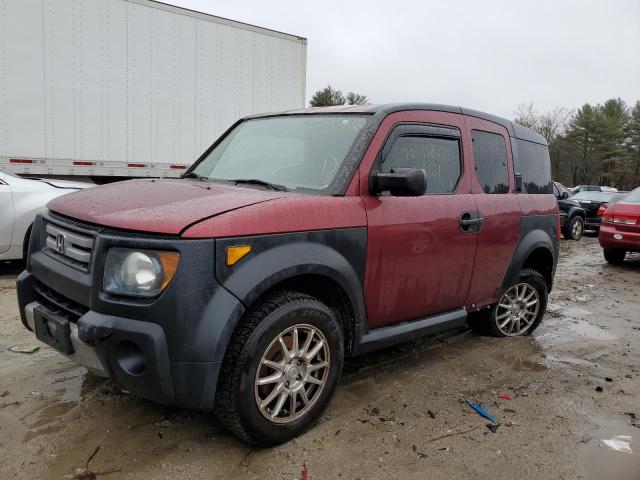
{"points": [[620, 228], [297, 239]]}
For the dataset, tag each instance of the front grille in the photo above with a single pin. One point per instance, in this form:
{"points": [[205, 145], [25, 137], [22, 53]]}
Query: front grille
{"points": [[70, 245], [59, 304]]}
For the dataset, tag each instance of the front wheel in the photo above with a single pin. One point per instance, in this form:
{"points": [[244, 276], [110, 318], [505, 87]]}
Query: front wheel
{"points": [[521, 307], [280, 370], [614, 256]]}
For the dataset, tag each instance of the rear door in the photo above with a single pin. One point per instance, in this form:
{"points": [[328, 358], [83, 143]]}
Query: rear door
{"points": [[493, 189], [419, 259]]}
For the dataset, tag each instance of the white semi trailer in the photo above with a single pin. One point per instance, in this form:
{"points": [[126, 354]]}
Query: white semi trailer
{"points": [[131, 88]]}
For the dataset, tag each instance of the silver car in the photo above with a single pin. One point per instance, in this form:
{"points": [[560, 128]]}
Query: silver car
{"points": [[20, 200]]}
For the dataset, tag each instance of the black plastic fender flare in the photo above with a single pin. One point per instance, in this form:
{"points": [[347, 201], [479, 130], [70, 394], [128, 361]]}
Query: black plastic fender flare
{"points": [[337, 255], [575, 211], [530, 241]]}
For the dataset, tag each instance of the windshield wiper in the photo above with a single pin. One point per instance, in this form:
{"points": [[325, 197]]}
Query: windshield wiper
{"points": [[194, 175], [257, 181]]}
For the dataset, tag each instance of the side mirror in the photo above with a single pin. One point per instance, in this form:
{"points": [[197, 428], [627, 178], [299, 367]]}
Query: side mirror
{"points": [[518, 177], [564, 195], [405, 182]]}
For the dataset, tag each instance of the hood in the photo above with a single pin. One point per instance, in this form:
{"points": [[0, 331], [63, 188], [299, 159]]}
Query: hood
{"points": [[157, 206], [570, 201]]}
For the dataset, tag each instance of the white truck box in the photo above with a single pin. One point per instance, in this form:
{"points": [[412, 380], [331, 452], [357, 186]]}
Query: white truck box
{"points": [[132, 88]]}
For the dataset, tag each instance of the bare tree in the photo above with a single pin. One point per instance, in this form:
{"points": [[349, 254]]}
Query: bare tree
{"points": [[548, 124]]}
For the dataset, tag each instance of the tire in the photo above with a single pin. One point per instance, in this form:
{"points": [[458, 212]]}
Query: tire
{"points": [[575, 229], [614, 256], [256, 343], [530, 285]]}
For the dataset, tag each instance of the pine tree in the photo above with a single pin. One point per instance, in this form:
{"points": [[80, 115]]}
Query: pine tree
{"points": [[327, 97]]}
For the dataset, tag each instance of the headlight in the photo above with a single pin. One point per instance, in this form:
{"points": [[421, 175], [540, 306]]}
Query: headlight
{"points": [[138, 273]]}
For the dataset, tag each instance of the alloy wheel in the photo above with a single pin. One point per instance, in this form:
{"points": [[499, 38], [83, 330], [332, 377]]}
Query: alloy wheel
{"points": [[517, 310], [292, 373], [577, 229]]}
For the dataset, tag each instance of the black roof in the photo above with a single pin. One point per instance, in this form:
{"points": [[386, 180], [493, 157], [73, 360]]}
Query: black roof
{"points": [[515, 130]]}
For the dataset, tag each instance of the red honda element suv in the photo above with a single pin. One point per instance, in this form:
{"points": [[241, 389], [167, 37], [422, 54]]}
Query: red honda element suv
{"points": [[297, 239]]}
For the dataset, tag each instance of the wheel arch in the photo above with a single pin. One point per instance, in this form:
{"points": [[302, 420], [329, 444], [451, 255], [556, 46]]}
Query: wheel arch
{"points": [[573, 211], [536, 250], [326, 289], [326, 265], [541, 260]]}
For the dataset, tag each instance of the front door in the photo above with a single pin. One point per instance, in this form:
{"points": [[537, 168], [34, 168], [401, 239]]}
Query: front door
{"points": [[419, 256]]}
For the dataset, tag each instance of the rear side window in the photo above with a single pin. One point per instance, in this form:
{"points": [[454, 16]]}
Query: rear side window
{"points": [[490, 156], [439, 157], [532, 162]]}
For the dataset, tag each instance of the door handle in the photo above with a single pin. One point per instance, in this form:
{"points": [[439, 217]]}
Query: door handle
{"points": [[471, 221], [467, 222]]}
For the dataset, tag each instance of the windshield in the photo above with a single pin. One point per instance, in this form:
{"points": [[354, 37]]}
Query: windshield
{"points": [[594, 196], [295, 152], [8, 174], [633, 197]]}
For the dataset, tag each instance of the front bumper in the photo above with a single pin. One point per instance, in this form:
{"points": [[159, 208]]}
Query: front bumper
{"points": [[133, 353], [82, 353], [163, 349]]}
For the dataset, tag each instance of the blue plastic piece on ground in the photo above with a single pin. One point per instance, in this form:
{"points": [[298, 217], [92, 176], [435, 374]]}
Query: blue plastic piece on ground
{"points": [[481, 411]]}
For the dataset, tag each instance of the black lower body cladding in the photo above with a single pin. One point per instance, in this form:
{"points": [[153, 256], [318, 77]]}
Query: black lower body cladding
{"points": [[170, 349], [162, 349]]}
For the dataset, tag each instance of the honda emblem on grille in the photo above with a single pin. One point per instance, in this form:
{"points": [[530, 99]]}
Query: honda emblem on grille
{"points": [[60, 243]]}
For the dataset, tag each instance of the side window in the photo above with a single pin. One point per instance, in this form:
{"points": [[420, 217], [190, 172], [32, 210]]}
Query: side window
{"points": [[438, 156], [490, 157], [532, 162]]}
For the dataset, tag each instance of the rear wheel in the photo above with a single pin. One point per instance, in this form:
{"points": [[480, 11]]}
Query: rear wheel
{"points": [[280, 370], [614, 256], [521, 307], [575, 229]]}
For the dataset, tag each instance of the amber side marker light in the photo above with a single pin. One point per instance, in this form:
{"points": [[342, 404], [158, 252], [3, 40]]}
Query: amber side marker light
{"points": [[169, 261], [236, 253]]}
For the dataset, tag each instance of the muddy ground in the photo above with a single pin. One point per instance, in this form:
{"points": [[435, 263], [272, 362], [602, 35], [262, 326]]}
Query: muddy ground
{"points": [[575, 385]]}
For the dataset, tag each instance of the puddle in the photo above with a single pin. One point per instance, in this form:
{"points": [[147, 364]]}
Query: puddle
{"points": [[619, 443], [578, 313], [587, 330], [614, 451], [52, 413], [570, 360], [565, 329], [519, 363]]}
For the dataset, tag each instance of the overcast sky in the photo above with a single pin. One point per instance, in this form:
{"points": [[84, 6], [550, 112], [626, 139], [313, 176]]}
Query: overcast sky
{"points": [[489, 55]]}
